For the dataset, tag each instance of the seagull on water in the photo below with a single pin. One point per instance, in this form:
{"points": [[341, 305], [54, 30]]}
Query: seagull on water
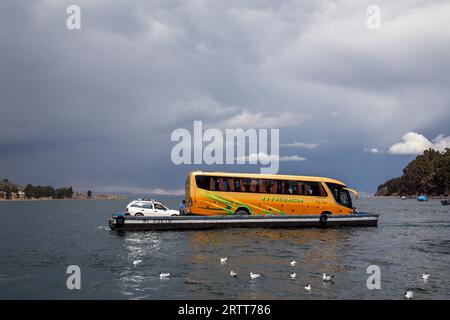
{"points": [[308, 287], [293, 263], [293, 275], [163, 275], [254, 275], [136, 262], [224, 260], [233, 274], [425, 276], [409, 294], [326, 277]]}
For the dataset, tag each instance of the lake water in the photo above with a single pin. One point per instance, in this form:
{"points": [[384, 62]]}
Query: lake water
{"points": [[38, 240]]}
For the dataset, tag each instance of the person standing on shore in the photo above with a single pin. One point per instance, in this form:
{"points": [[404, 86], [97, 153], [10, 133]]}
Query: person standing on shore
{"points": [[182, 208]]}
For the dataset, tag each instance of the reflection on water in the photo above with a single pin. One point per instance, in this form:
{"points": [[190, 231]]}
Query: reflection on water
{"points": [[139, 247]]}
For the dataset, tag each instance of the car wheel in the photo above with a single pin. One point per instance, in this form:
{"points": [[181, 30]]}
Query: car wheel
{"points": [[139, 214]]}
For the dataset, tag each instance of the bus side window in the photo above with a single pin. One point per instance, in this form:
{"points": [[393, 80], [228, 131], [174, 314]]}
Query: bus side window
{"points": [[261, 186], [291, 187], [300, 188], [323, 192], [212, 184], [230, 183], [273, 187], [253, 185], [238, 185], [220, 182], [244, 185], [282, 187], [308, 189]]}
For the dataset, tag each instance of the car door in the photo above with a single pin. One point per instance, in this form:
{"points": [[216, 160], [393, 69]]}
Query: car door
{"points": [[148, 209], [160, 209]]}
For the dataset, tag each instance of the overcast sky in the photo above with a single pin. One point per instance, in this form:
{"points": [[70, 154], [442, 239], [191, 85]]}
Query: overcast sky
{"points": [[95, 108]]}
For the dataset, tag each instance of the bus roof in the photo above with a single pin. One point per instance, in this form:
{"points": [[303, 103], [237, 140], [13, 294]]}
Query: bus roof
{"points": [[265, 176]]}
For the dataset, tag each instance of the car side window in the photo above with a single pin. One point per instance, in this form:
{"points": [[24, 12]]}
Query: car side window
{"points": [[148, 206], [159, 207]]}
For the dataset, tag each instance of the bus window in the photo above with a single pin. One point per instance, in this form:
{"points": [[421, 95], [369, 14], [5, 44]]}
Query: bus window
{"points": [[341, 195], [323, 192], [272, 186], [202, 182], [253, 185], [300, 188], [282, 185], [313, 189], [308, 189], [292, 187], [230, 182], [262, 186]]}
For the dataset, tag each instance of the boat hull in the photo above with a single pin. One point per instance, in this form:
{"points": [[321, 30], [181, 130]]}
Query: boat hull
{"points": [[211, 222]]}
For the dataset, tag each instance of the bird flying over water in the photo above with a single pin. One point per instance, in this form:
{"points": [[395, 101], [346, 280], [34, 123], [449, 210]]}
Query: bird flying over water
{"points": [[163, 275], [233, 274], [293, 263], [308, 287], [425, 276], [224, 260], [293, 275]]}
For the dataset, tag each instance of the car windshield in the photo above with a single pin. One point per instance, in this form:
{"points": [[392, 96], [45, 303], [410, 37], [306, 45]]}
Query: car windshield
{"points": [[341, 195]]}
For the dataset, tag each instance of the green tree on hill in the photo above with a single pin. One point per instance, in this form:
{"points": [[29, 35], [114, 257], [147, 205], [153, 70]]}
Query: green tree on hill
{"points": [[428, 174]]}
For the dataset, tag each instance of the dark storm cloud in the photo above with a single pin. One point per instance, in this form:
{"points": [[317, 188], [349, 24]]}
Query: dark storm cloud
{"points": [[95, 107]]}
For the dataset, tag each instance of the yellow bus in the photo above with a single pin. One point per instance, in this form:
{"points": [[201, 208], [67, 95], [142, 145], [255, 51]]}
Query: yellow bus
{"points": [[223, 193]]}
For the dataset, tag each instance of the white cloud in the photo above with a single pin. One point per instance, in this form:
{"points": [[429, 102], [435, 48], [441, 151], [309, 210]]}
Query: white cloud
{"points": [[415, 143], [292, 158], [373, 150], [265, 158], [299, 144], [167, 192], [248, 119]]}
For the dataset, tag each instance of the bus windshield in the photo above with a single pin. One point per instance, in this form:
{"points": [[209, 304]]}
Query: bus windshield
{"points": [[341, 195]]}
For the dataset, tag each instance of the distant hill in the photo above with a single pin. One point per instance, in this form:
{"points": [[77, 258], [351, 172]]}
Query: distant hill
{"points": [[428, 174]]}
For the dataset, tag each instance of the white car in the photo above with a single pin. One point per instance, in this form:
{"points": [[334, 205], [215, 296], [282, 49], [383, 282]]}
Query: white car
{"points": [[141, 208]]}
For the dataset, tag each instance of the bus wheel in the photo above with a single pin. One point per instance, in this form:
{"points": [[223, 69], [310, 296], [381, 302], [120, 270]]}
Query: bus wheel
{"points": [[323, 220], [241, 212]]}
